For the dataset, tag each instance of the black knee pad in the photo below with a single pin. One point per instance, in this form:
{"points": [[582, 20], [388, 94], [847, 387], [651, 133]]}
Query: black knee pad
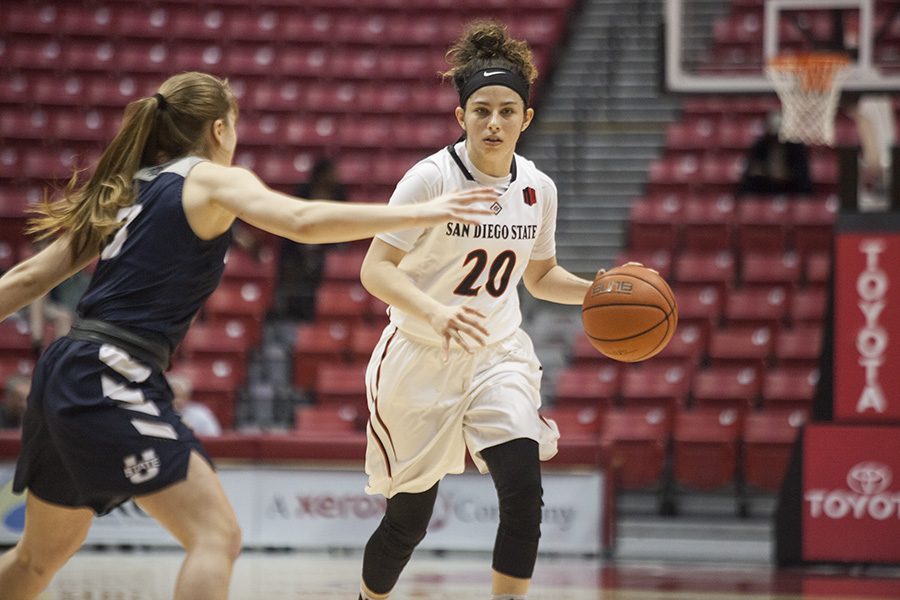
{"points": [[515, 468], [391, 546]]}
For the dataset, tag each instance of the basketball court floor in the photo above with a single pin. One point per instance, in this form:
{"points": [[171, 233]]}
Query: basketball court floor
{"points": [[118, 575]]}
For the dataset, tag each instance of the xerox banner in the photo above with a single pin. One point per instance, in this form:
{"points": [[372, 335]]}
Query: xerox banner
{"points": [[851, 493], [867, 320], [307, 508]]}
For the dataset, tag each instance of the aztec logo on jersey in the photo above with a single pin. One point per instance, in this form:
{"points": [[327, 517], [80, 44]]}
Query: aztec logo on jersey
{"points": [[530, 196]]}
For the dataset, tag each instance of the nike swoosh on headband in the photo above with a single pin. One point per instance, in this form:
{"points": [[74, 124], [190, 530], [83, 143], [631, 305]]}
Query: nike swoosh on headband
{"points": [[489, 73]]}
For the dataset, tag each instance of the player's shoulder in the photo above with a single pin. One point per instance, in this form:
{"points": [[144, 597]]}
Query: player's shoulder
{"points": [[533, 175], [431, 171]]}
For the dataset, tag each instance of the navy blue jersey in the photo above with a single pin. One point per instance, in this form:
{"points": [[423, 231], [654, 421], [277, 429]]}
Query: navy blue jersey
{"points": [[155, 274]]}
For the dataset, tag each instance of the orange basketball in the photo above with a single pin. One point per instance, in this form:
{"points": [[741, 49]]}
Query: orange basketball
{"points": [[629, 313]]}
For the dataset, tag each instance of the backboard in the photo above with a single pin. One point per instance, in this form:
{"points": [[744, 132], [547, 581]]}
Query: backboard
{"points": [[716, 46]]}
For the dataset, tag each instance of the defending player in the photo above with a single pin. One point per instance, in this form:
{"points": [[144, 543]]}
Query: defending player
{"points": [[453, 370], [100, 427]]}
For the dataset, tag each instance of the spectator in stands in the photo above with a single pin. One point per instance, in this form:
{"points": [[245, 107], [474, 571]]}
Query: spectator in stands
{"points": [[195, 415], [57, 308], [300, 265], [15, 399], [873, 115], [453, 370], [775, 167], [100, 427]]}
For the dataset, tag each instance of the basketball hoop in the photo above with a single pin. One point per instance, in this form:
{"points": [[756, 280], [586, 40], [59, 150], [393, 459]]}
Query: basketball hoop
{"points": [[808, 86]]}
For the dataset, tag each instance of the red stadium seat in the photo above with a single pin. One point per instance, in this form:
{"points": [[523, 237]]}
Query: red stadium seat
{"points": [[763, 224], [688, 344], [363, 340], [316, 344], [15, 340], [708, 223], [699, 303], [241, 268], [576, 421], [342, 302], [791, 388], [656, 384], [740, 345], [328, 420], [214, 341], [705, 448], [214, 384], [768, 441], [654, 223], [808, 305], [691, 134], [813, 220], [245, 302], [590, 386], [799, 346], [341, 385], [342, 265], [770, 268], [726, 387], [817, 268], [757, 306], [695, 268], [635, 442]]}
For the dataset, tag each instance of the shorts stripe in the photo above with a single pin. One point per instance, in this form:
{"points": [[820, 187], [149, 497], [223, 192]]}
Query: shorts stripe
{"points": [[381, 447], [375, 400], [151, 429]]}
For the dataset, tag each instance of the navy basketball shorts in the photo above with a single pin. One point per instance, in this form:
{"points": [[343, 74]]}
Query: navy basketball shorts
{"points": [[99, 429]]}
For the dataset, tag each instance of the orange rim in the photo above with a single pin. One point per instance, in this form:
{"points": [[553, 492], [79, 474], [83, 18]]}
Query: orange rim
{"points": [[814, 71]]}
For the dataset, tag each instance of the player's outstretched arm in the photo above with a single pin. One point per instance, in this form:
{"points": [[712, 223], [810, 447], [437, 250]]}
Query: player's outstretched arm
{"points": [[32, 278], [239, 192]]}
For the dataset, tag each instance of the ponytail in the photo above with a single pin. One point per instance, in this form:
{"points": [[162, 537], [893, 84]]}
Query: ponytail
{"points": [[162, 127]]}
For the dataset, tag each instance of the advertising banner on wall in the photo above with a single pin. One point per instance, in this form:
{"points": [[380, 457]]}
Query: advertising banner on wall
{"points": [[851, 493], [867, 324], [318, 509]]}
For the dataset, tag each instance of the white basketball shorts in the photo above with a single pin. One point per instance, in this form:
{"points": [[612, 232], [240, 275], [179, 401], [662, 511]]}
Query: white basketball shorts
{"points": [[424, 413]]}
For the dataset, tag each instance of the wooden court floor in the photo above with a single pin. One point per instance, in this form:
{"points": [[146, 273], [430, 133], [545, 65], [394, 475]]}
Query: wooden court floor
{"points": [[120, 575]]}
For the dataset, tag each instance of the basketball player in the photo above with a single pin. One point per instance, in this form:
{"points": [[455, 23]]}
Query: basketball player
{"points": [[453, 371], [100, 427]]}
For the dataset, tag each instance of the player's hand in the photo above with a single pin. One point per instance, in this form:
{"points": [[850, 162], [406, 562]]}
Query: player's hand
{"points": [[456, 324], [460, 206], [637, 264]]}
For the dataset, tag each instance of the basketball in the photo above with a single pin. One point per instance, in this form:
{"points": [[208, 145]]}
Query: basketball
{"points": [[629, 313]]}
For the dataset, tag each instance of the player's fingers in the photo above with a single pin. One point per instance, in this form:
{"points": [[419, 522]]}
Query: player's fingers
{"points": [[477, 195], [474, 311], [445, 349], [473, 333], [474, 323], [599, 273], [459, 340]]}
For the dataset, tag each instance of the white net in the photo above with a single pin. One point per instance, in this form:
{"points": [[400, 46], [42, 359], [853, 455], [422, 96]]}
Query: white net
{"points": [[809, 87]]}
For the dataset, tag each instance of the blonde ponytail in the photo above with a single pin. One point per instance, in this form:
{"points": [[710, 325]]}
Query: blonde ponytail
{"points": [[154, 130]]}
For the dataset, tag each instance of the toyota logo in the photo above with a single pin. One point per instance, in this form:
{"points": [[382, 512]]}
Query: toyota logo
{"points": [[869, 478]]}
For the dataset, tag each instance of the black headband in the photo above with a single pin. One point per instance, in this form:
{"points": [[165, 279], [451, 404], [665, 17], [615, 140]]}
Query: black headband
{"points": [[160, 100], [493, 76]]}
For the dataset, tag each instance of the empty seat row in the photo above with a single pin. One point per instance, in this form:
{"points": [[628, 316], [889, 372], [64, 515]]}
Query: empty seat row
{"points": [[294, 24], [700, 449]]}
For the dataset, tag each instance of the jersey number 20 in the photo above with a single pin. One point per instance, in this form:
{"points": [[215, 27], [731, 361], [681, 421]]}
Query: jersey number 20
{"points": [[498, 274]]}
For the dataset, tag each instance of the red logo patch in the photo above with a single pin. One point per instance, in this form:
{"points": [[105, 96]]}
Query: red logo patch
{"points": [[530, 196]]}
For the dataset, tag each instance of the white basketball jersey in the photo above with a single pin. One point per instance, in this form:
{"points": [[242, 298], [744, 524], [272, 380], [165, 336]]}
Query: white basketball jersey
{"points": [[477, 265]]}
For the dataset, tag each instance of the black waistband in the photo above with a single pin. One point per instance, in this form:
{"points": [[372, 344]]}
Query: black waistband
{"points": [[154, 353]]}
